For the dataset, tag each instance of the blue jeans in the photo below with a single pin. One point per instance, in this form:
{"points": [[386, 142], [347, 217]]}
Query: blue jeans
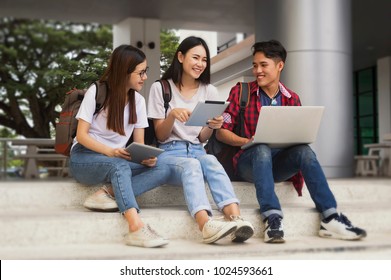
{"points": [[128, 179], [190, 167], [263, 166]]}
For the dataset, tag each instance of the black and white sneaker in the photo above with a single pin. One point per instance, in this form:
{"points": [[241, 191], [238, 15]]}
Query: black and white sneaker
{"points": [[274, 232], [339, 227]]}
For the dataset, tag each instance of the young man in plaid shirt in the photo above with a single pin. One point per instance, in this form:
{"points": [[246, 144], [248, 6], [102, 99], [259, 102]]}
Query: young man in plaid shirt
{"points": [[263, 165]]}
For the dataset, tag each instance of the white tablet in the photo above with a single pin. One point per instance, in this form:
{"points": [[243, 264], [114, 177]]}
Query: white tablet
{"points": [[206, 110], [139, 152]]}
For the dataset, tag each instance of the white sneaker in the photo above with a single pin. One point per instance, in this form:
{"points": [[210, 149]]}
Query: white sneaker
{"points": [[216, 229], [145, 237], [340, 228], [101, 202], [244, 229]]}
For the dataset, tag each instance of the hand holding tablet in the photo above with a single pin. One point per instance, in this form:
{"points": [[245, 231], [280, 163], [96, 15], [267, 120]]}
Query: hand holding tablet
{"points": [[139, 152], [206, 110]]}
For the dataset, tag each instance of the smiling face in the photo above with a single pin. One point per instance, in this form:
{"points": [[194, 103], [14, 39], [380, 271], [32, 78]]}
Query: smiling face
{"points": [[194, 61], [137, 77], [267, 71]]}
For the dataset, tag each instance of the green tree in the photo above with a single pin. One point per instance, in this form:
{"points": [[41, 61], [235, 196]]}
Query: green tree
{"points": [[39, 61], [169, 42]]}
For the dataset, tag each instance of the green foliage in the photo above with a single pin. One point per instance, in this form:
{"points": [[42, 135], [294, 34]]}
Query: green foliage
{"points": [[39, 61], [6, 133], [169, 42]]}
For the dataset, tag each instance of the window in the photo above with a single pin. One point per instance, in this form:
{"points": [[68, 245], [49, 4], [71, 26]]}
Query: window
{"points": [[366, 111]]}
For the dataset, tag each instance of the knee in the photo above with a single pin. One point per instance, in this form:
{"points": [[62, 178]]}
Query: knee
{"points": [[210, 161], [306, 153], [120, 167], [262, 152], [186, 165]]}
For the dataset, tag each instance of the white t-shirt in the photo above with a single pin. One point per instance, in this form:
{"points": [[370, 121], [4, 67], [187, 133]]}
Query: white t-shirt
{"points": [[180, 131], [98, 129]]}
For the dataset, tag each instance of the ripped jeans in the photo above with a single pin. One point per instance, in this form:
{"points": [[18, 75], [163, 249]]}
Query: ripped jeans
{"points": [[191, 167]]}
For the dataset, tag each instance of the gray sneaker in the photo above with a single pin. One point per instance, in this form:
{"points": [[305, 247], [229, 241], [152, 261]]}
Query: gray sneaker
{"points": [[103, 202], [145, 237], [216, 229], [244, 229]]}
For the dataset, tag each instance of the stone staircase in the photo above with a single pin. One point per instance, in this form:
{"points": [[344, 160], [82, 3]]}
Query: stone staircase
{"points": [[45, 220]]}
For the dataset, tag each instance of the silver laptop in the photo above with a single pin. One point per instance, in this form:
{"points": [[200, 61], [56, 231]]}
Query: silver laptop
{"points": [[284, 126]]}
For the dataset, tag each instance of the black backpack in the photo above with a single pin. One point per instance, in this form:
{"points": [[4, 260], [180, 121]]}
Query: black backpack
{"points": [[223, 152], [150, 135]]}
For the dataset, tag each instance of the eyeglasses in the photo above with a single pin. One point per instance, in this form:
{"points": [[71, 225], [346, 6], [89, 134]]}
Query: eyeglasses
{"points": [[142, 73]]}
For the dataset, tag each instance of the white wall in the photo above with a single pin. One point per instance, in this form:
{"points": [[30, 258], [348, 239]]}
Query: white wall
{"points": [[225, 88], [209, 37]]}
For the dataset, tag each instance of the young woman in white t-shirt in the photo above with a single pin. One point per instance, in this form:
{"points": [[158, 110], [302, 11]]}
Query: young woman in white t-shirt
{"points": [[98, 154], [189, 77]]}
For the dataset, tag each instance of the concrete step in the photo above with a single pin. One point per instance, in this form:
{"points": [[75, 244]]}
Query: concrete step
{"points": [[45, 220], [374, 247], [68, 193], [78, 225]]}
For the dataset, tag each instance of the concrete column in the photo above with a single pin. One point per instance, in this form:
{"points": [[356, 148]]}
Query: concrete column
{"points": [[384, 95], [317, 36], [152, 37], [143, 33]]}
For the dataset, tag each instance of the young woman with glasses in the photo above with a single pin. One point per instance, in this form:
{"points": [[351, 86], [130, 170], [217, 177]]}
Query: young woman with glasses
{"points": [[98, 154]]}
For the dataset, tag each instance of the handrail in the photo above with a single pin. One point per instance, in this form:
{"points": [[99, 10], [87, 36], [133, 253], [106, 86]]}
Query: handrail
{"points": [[4, 142]]}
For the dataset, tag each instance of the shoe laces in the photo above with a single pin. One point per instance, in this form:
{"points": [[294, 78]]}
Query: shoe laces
{"points": [[274, 222], [235, 218], [343, 219], [210, 223], [150, 232]]}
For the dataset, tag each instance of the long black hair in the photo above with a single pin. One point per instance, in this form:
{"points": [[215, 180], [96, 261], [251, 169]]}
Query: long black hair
{"points": [[175, 70]]}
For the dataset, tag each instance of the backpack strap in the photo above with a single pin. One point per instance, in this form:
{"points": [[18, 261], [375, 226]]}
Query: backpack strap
{"points": [[100, 96], [167, 94], [244, 99], [244, 95]]}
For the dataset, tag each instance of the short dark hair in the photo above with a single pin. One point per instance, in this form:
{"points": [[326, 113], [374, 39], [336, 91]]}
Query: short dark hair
{"points": [[272, 49]]}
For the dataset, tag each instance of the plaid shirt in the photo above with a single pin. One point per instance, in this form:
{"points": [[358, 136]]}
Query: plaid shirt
{"points": [[231, 116]]}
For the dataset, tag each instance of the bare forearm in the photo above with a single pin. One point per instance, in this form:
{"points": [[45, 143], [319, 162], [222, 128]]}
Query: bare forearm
{"points": [[205, 134], [230, 138], [94, 145], [163, 128]]}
